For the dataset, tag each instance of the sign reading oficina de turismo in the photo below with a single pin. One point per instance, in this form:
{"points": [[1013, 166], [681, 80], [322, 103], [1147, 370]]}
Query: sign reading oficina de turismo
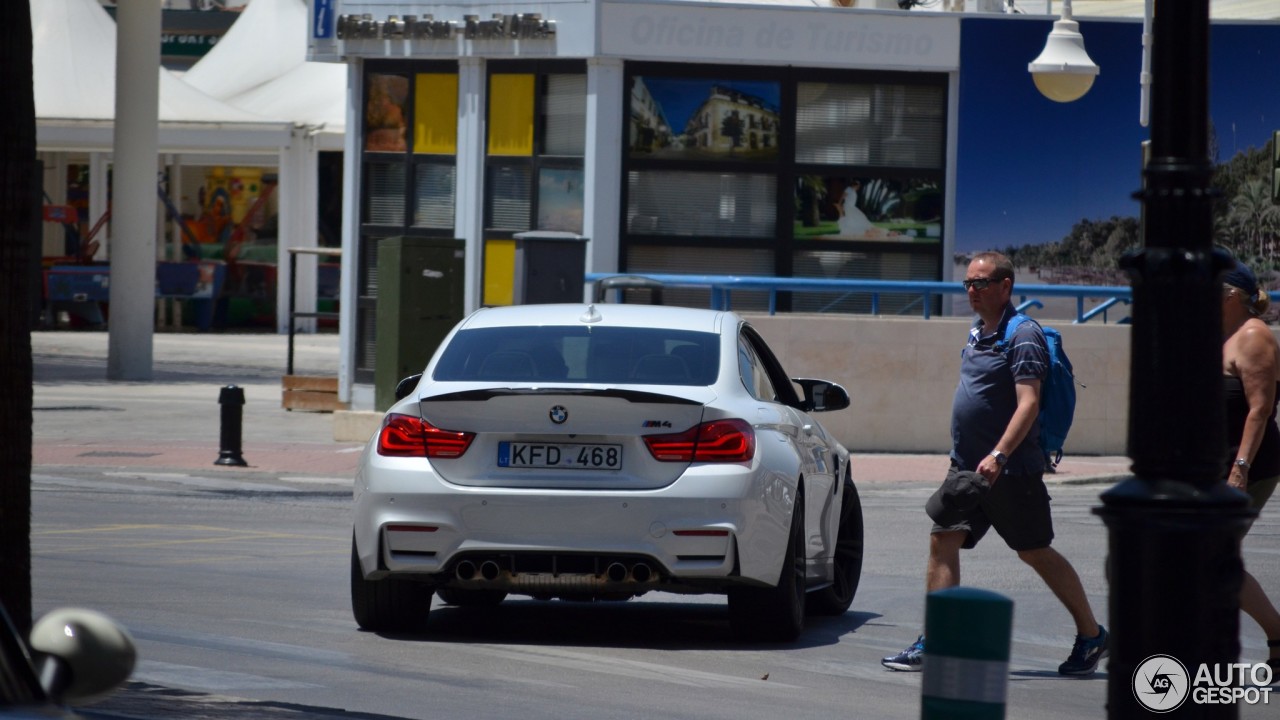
{"points": [[1162, 684]]}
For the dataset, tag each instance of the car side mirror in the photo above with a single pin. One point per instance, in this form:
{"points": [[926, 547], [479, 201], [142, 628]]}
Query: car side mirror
{"points": [[87, 654], [406, 386], [822, 395]]}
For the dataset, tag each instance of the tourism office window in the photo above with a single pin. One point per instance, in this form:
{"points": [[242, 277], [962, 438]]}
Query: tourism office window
{"points": [[409, 161], [784, 171], [410, 148], [534, 150]]}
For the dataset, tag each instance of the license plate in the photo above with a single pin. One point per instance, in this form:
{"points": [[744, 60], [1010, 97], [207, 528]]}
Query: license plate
{"points": [[561, 456]]}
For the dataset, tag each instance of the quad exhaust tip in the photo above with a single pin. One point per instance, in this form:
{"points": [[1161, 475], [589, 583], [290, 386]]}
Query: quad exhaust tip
{"points": [[641, 573], [617, 572]]}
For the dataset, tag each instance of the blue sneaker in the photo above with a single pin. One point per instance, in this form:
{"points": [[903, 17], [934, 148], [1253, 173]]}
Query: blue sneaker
{"points": [[1086, 654], [909, 660]]}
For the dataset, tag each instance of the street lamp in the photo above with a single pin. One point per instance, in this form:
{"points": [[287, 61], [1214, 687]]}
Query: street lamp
{"points": [[1175, 519], [1064, 72]]}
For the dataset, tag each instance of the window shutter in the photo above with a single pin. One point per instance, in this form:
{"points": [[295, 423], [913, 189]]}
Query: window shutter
{"points": [[701, 204], [386, 194], [878, 125]]}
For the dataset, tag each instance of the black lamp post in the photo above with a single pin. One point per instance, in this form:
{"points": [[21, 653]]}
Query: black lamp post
{"points": [[1174, 565]]}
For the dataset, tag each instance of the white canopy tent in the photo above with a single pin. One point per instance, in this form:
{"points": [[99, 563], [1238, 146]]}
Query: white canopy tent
{"points": [[279, 111], [261, 66]]}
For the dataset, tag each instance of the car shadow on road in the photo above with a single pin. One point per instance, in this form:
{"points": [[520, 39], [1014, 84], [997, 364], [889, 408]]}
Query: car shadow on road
{"points": [[635, 623]]}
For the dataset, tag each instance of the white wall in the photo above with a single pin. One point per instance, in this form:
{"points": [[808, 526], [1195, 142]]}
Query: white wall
{"points": [[901, 375]]}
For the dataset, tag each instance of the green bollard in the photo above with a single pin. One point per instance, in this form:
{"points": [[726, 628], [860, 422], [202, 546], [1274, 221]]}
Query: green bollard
{"points": [[966, 654]]}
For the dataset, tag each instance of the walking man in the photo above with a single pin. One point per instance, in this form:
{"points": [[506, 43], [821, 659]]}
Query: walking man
{"points": [[995, 433]]}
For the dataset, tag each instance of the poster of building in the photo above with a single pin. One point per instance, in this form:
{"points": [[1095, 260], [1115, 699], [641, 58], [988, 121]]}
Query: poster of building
{"points": [[704, 119]]}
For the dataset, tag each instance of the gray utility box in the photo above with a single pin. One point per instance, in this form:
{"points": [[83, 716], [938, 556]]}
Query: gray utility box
{"points": [[550, 267], [420, 299]]}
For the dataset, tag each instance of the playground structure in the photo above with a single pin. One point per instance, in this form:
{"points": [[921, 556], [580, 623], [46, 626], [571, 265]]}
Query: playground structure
{"points": [[217, 275]]}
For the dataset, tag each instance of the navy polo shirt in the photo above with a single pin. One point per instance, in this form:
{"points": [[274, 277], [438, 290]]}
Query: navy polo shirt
{"points": [[986, 396]]}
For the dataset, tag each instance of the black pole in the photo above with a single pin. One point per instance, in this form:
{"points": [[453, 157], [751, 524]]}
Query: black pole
{"points": [[1174, 565], [293, 289], [232, 401]]}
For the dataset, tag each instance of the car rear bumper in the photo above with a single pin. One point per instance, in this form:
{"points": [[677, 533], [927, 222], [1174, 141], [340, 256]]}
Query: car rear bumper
{"points": [[716, 525]]}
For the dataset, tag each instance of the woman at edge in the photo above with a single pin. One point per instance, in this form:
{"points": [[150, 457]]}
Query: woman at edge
{"points": [[1251, 377]]}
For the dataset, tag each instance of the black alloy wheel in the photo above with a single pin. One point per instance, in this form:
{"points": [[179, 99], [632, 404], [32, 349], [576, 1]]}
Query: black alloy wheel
{"points": [[388, 605], [836, 598]]}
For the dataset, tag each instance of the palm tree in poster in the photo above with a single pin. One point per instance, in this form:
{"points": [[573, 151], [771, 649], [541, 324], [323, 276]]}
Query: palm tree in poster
{"points": [[19, 205], [1253, 221]]}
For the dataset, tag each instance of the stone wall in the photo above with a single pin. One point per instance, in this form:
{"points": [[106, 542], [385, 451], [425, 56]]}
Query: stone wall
{"points": [[901, 375]]}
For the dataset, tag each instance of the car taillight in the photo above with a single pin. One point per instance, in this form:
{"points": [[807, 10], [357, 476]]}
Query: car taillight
{"points": [[408, 436], [722, 441]]}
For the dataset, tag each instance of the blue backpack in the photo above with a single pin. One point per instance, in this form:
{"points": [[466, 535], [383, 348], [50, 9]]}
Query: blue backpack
{"points": [[1057, 391]]}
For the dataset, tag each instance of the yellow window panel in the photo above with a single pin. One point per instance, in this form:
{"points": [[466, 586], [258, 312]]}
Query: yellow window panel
{"points": [[511, 114], [435, 113], [499, 272]]}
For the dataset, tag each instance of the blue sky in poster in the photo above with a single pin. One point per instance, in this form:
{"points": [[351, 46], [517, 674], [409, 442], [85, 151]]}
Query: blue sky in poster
{"points": [[680, 97], [1029, 168]]}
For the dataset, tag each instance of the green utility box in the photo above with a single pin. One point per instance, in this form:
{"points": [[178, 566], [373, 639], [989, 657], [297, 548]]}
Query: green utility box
{"points": [[420, 299]]}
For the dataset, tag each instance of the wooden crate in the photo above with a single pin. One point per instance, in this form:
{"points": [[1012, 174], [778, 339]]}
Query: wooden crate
{"points": [[310, 392]]}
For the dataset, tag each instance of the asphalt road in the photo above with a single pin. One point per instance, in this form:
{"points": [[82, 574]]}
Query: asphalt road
{"points": [[236, 591]]}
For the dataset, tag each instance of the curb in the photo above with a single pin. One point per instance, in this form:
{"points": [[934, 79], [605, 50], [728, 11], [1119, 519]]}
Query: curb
{"points": [[1090, 480]]}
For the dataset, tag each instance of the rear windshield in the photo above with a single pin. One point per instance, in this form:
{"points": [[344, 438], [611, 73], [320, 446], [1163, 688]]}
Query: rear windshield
{"points": [[573, 353]]}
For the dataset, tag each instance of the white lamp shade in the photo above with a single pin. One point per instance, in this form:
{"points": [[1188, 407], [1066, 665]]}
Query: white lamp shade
{"points": [[1062, 87], [1064, 72]]}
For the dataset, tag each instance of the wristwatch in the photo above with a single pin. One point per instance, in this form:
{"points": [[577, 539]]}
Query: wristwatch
{"points": [[1000, 457], [1243, 464]]}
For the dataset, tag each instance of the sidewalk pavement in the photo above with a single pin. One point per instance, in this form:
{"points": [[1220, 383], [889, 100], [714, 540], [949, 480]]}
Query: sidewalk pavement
{"points": [[172, 423]]}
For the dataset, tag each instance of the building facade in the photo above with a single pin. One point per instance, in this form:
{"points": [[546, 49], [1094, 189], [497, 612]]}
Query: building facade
{"points": [[770, 140]]}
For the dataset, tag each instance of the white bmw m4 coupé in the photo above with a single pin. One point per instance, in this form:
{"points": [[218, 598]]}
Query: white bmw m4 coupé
{"points": [[600, 452]]}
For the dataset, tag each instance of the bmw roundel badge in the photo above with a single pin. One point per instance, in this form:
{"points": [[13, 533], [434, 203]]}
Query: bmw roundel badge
{"points": [[559, 414]]}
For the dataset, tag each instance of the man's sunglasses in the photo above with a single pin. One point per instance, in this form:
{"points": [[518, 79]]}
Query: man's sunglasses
{"points": [[978, 283]]}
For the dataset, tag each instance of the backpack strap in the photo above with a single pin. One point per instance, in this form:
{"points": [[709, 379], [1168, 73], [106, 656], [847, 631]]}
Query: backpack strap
{"points": [[1009, 329]]}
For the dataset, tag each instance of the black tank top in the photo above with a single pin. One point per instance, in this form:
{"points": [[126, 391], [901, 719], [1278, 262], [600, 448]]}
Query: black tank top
{"points": [[1266, 462]]}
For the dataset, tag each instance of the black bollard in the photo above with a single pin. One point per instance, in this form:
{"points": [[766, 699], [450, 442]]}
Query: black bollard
{"points": [[232, 401]]}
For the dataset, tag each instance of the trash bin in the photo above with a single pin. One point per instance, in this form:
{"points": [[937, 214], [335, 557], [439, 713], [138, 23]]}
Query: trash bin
{"points": [[629, 282], [550, 267], [420, 299]]}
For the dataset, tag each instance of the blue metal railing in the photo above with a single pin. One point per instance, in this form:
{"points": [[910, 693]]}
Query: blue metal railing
{"points": [[722, 287]]}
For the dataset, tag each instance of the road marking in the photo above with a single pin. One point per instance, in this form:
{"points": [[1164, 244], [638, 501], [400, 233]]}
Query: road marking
{"points": [[319, 480], [190, 677], [133, 537], [201, 482], [251, 646]]}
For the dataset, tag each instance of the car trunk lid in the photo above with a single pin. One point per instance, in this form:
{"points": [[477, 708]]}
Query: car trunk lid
{"points": [[585, 437]]}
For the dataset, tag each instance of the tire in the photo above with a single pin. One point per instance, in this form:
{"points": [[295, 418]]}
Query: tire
{"points": [[775, 614], [836, 598], [470, 598], [390, 604]]}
